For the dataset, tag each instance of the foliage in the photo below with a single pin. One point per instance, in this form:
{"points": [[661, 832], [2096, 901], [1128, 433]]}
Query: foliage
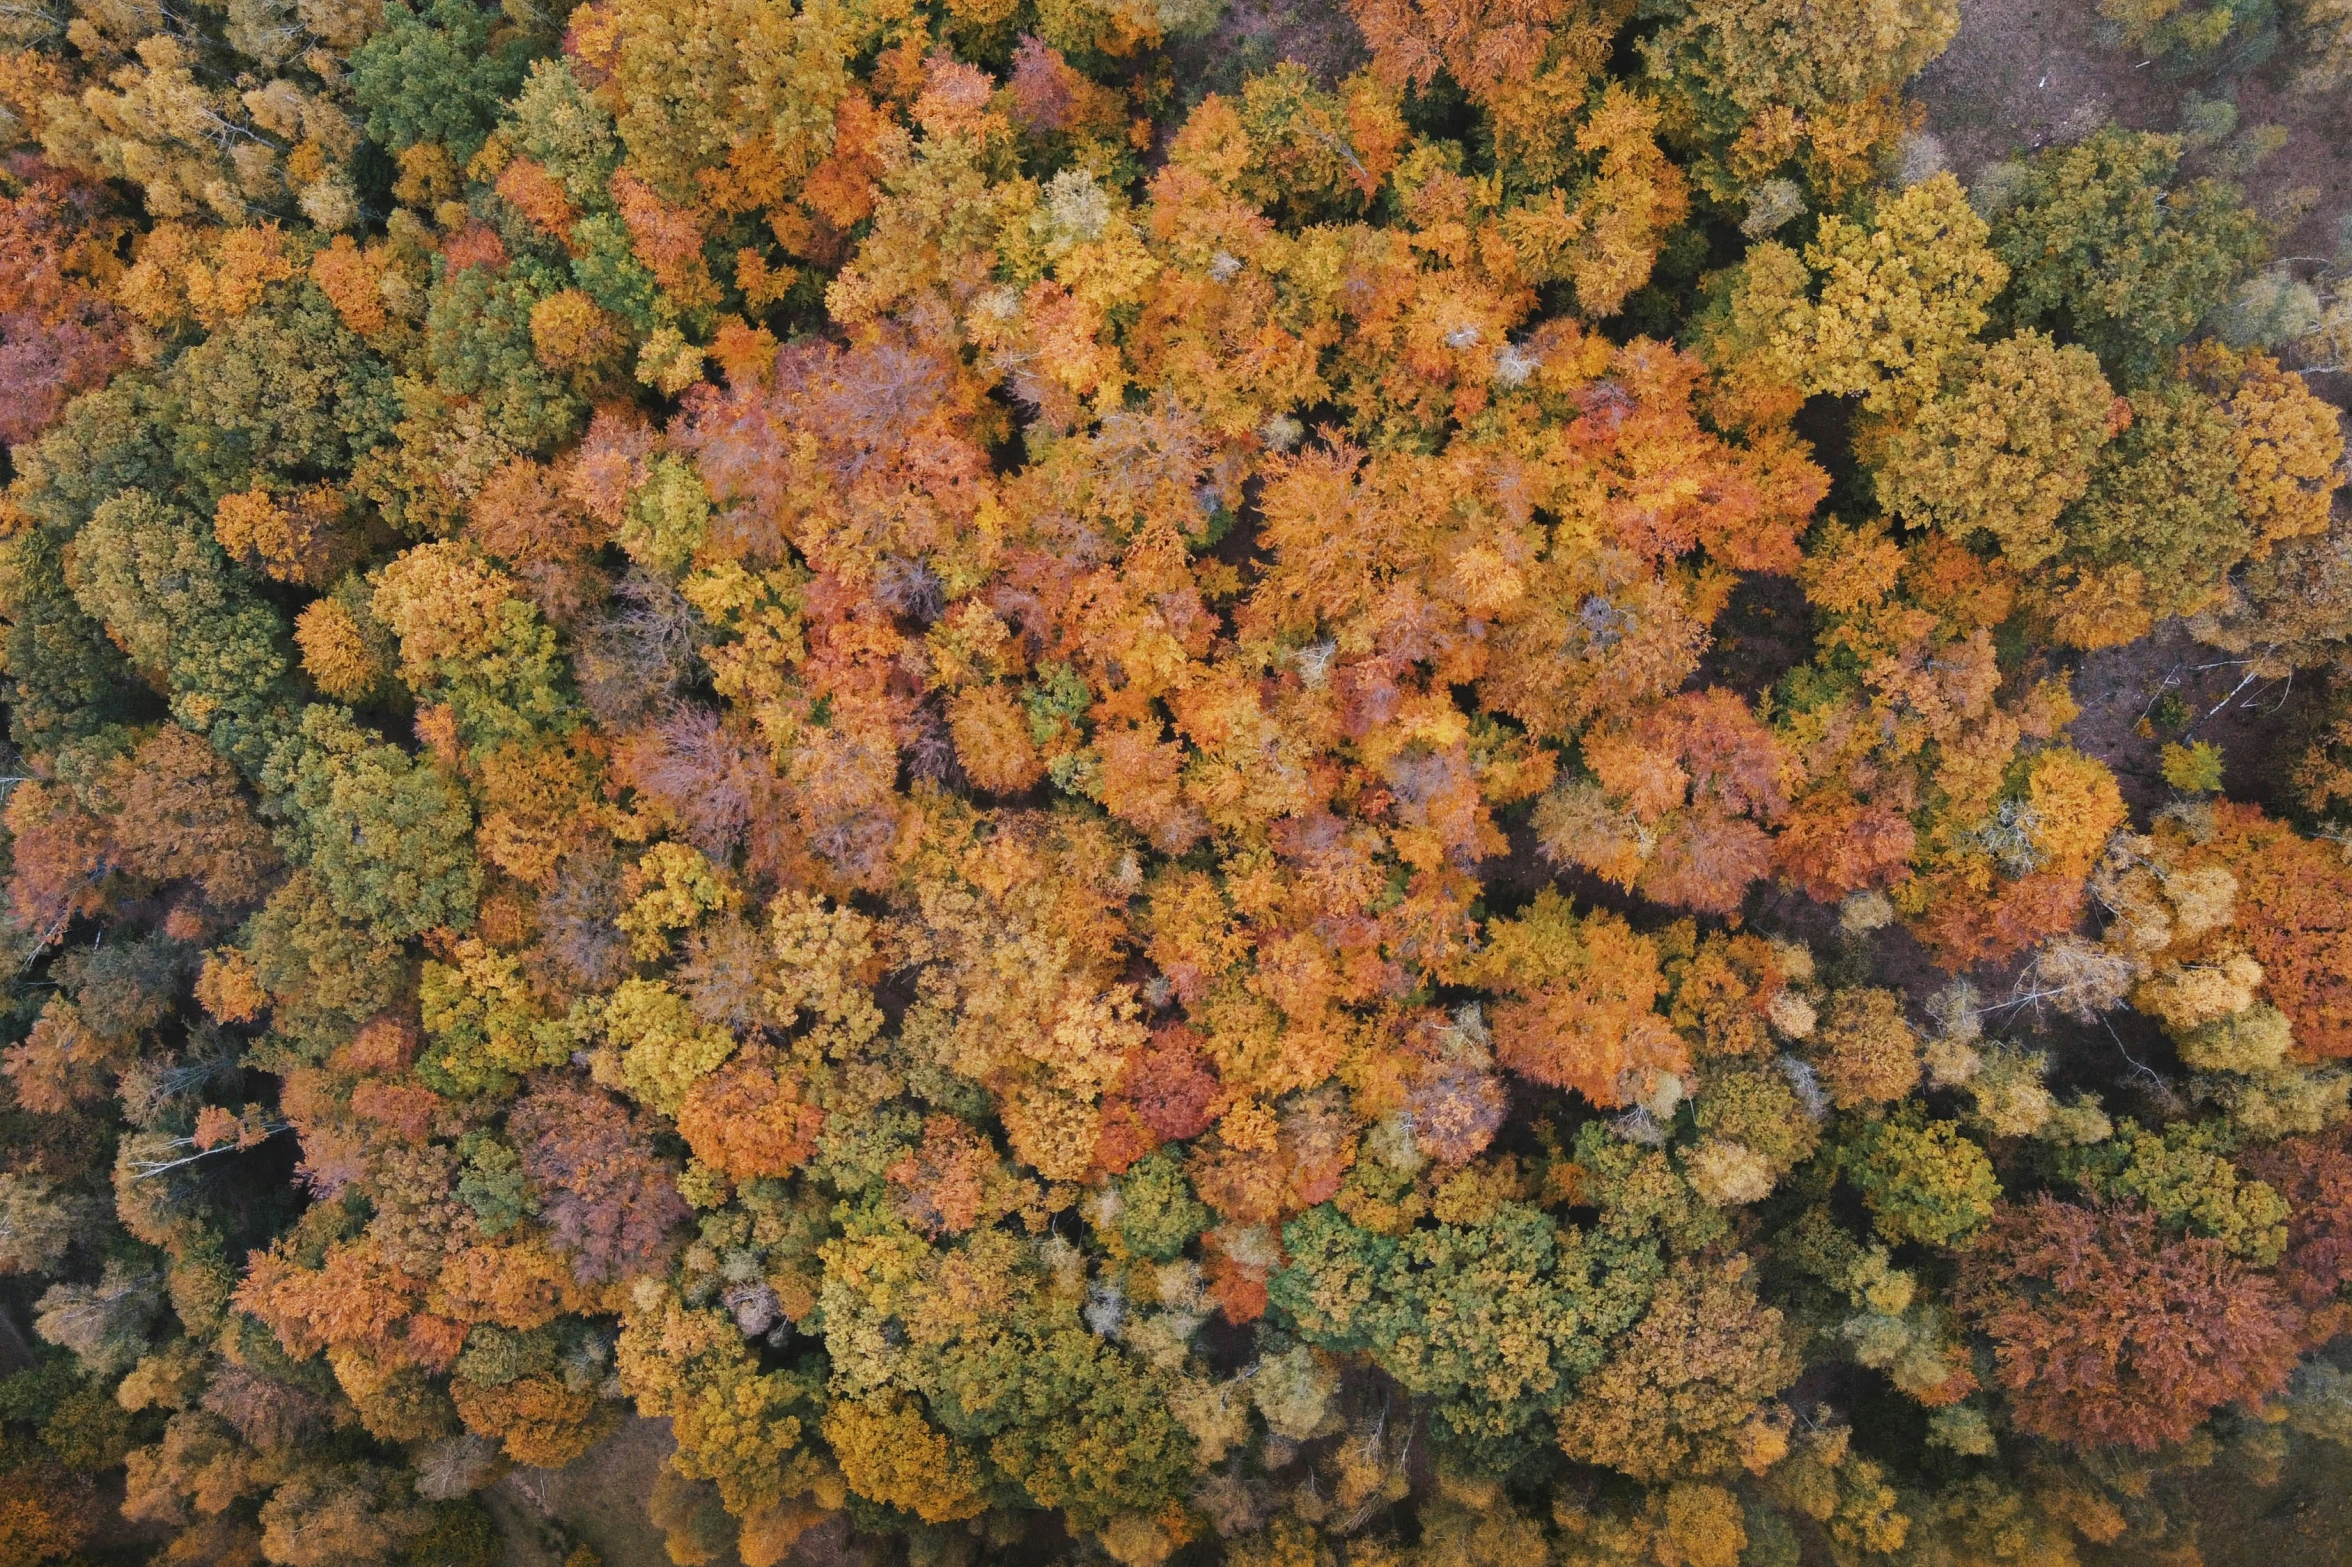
{"points": [[1897, 298], [2138, 1335], [2004, 447], [1497, 1319], [1923, 1180], [1061, 806], [1685, 1391], [2100, 232]]}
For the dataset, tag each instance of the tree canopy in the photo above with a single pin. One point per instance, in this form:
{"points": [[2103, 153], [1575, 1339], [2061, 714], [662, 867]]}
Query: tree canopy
{"points": [[1049, 801]]}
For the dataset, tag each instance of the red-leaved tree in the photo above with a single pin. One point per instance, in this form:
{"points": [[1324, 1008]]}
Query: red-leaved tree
{"points": [[2109, 1331]]}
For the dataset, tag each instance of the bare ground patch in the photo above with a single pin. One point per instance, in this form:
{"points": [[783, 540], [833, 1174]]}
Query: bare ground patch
{"points": [[2171, 688], [599, 1499], [1257, 35]]}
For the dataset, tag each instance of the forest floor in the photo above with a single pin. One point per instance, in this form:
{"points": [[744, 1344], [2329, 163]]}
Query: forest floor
{"points": [[2168, 688], [599, 1500], [2300, 1517], [1257, 35]]}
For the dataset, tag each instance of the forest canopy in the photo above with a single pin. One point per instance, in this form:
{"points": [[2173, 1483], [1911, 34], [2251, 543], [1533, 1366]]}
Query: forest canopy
{"points": [[1090, 812]]}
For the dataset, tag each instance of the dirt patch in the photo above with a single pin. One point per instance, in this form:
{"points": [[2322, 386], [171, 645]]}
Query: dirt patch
{"points": [[2171, 688], [598, 1500], [1257, 35], [2026, 74]]}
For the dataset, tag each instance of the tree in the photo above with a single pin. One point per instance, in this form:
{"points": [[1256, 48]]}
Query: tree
{"points": [[323, 977], [1496, 1315], [890, 1454], [1679, 803], [299, 540], [747, 1119], [61, 858], [66, 677], [345, 651], [1898, 298], [2183, 1176], [664, 1052], [1485, 48], [1158, 1214], [36, 1225], [103, 1323], [1923, 1180], [541, 1421], [1754, 1130], [1636, 197], [2101, 232], [59, 335], [2287, 444], [181, 818], [1679, 1394], [2309, 1174], [479, 343], [387, 839], [745, 93], [1582, 992], [45, 1515], [324, 1515], [434, 76], [1864, 1049], [2158, 556], [2286, 920], [2107, 1331], [2004, 447], [992, 740], [522, 514], [284, 392], [1762, 53], [608, 1200], [2330, 45], [2075, 806], [154, 577]]}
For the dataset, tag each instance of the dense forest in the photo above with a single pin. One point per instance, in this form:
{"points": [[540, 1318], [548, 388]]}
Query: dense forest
{"points": [[1333, 823]]}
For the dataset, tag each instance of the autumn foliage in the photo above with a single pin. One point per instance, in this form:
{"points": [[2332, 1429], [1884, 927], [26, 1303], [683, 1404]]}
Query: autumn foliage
{"points": [[1081, 815]]}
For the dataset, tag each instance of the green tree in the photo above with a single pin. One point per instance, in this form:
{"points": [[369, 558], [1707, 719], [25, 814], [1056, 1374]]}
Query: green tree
{"points": [[2103, 243], [1093, 1435], [108, 441], [2161, 501], [1759, 53], [1158, 1214], [567, 130], [389, 839], [65, 678], [285, 392], [1924, 1181], [153, 575], [478, 342], [437, 75], [324, 976], [2184, 1175], [1496, 1316]]}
